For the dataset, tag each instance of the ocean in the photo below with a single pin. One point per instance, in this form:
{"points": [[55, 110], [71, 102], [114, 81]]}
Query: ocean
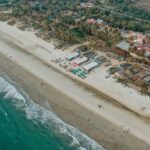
{"points": [[25, 125]]}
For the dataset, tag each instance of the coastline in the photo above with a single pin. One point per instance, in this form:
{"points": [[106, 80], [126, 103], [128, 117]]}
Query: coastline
{"points": [[99, 124], [42, 93]]}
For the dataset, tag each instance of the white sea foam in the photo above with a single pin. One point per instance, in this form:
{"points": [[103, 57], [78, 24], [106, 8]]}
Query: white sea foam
{"points": [[9, 89], [46, 117]]}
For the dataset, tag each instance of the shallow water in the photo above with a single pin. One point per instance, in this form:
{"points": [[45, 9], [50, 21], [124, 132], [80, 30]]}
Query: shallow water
{"points": [[25, 125]]}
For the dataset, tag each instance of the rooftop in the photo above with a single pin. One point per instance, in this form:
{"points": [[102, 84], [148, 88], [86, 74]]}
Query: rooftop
{"points": [[147, 79], [123, 45]]}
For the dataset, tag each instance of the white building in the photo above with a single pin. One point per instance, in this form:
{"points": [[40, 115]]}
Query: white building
{"points": [[72, 56], [80, 61], [90, 66]]}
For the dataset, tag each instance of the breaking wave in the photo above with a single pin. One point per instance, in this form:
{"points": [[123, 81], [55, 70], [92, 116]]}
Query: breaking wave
{"points": [[46, 117]]}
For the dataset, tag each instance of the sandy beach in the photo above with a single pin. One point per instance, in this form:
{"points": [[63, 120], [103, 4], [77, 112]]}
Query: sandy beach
{"points": [[112, 126], [46, 52]]}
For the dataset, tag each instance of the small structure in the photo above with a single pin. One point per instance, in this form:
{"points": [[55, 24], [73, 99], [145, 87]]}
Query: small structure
{"points": [[135, 70], [50, 18], [86, 5], [72, 56], [136, 37], [147, 53], [145, 48], [80, 61], [124, 34], [146, 80], [99, 21], [123, 45], [122, 48], [38, 6], [90, 66], [147, 33], [125, 65], [91, 21]]}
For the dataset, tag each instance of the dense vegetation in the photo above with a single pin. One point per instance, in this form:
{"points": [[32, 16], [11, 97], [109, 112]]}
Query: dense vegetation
{"points": [[55, 7], [65, 20], [127, 6], [4, 1]]}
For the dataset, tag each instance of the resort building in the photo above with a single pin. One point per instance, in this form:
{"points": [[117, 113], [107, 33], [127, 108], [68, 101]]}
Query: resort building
{"points": [[72, 56], [122, 48], [80, 61], [90, 66]]}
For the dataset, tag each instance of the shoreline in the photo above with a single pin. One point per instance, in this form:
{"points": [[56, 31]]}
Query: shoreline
{"points": [[39, 92], [78, 106]]}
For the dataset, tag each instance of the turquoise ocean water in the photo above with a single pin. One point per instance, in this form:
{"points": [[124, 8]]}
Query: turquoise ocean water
{"points": [[25, 125]]}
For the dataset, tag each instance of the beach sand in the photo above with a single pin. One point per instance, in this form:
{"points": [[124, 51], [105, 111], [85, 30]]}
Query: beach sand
{"points": [[46, 52], [110, 125]]}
